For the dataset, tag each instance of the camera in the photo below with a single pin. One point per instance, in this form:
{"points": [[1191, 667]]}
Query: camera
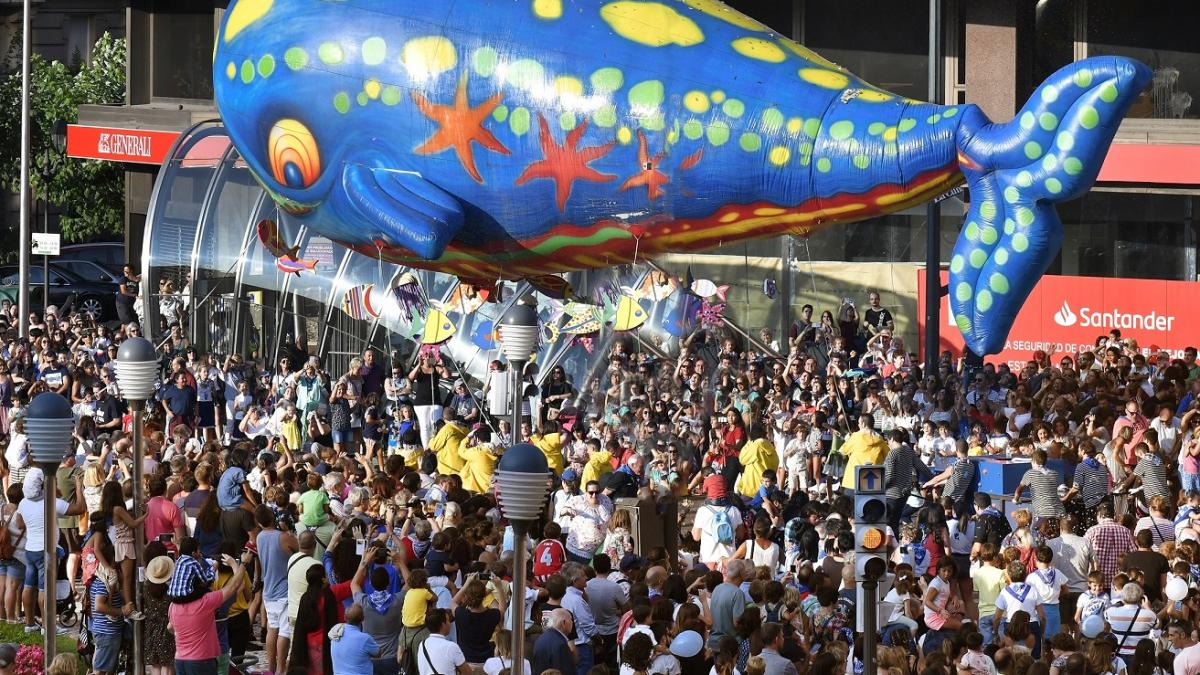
{"points": [[484, 576]]}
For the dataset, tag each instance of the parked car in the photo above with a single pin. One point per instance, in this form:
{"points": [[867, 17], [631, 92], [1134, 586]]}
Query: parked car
{"points": [[88, 270], [94, 297], [110, 254]]}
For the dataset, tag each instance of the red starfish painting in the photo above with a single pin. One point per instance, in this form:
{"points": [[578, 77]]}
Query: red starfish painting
{"points": [[566, 163], [458, 125], [648, 175]]}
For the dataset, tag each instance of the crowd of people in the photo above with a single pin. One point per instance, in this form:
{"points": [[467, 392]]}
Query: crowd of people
{"points": [[347, 522]]}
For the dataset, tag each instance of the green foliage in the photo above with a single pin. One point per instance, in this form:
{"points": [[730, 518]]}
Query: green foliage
{"points": [[91, 192]]}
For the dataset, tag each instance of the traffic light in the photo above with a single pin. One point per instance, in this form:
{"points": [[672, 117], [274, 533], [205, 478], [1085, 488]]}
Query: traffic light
{"points": [[870, 543]]}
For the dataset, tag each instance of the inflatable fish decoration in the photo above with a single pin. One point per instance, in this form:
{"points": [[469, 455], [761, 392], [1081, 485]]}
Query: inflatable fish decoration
{"points": [[504, 139], [288, 258], [703, 288], [359, 303], [630, 314], [465, 299], [484, 335], [656, 287], [581, 319], [711, 315], [438, 328]]}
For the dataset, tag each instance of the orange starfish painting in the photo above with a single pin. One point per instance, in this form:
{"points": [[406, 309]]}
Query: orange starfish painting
{"points": [[648, 175], [458, 126], [566, 163]]}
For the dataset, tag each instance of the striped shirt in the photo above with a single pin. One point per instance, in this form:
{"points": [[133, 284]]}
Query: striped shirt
{"points": [[1092, 482], [1161, 529], [961, 478], [1154, 476], [900, 471], [1131, 624], [103, 624], [1043, 489]]}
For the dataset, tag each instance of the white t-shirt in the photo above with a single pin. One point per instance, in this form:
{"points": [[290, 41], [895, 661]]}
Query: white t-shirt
{"points": [[446, 656], [33, 513], [940, 600], [1048, 583], [494, 665], [1019, 597], [712, 550], [17, 452], [961, 538], [897, 605]]}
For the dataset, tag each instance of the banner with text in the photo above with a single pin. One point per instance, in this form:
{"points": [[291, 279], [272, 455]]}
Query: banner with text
{"points": [[1066, 315]]}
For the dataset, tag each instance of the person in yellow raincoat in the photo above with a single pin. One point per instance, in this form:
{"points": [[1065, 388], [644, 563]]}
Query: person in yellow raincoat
{"points": [[445, 443], [756, 456], [864, 446], [550, 443], [599, 463], [480, 458]]}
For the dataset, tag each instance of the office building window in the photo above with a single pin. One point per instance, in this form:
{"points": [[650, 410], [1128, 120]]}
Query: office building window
{"points": [[1163, 36], [874, 39], [183, 43]]}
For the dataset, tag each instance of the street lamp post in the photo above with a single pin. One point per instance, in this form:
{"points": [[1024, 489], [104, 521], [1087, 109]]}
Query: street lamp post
{"points": [[519, 333], [137, 369], [58, 145], [49, 423], [522, 482]]}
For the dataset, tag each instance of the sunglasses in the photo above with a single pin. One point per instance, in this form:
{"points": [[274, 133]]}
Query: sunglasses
{"points": [[592, 494]]}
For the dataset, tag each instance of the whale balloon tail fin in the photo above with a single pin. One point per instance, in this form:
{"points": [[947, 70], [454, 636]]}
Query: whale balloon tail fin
{"points": [[1051, 152]]}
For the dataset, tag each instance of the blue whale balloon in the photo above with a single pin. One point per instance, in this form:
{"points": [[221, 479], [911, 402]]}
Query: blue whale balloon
{"points": [[517, 139]]}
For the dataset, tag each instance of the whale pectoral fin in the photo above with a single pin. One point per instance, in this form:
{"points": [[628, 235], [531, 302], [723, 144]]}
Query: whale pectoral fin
{"points": [[409, 211]]}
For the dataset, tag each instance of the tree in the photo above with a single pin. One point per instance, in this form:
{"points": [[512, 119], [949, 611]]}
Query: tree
{"points": [[91, 192]]}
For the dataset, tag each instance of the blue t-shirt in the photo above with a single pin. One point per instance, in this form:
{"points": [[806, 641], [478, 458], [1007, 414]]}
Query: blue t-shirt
{"points": [[103, 624], [352, 652], [229, 489]]}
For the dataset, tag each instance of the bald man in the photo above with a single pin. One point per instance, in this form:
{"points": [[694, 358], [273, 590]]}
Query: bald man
{"points": [[552, 650]]}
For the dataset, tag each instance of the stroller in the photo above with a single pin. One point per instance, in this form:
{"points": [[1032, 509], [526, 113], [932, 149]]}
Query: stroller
{"points": [[64, 594]]}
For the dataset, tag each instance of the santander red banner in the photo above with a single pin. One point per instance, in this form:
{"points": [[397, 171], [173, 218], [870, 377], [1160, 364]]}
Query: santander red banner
{"points": [[1067, 314]]}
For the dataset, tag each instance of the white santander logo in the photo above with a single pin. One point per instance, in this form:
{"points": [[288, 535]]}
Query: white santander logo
{"points": [[1065, 317]]}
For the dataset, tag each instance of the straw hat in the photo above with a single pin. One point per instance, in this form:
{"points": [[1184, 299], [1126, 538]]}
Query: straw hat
{"points": [[159, 570]]}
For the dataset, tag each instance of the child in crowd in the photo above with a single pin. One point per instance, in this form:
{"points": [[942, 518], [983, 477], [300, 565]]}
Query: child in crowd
{"points": [[1019, 596], [1048, 582], [314, 504], [974, 661]]}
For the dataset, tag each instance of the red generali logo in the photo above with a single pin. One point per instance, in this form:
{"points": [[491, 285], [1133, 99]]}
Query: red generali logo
{"points": [[140, 146]]}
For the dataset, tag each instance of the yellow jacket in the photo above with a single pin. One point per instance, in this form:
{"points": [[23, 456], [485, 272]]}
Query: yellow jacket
{"points": [[445, 446], [598, 466], [756, 457], [480, 464], [551, 447], [861, 448]]}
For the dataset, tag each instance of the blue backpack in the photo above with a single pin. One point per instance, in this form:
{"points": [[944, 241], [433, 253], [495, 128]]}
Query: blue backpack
{"points": [[724, 527]]}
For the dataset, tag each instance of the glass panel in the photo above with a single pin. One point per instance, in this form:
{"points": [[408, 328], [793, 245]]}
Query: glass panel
{"points": [[1127, 235], [886, 47], [1163, 36], [182, 63]]}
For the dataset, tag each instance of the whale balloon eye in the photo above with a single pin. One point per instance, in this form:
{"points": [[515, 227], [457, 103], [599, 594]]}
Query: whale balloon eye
{"points": [[295, 158]]}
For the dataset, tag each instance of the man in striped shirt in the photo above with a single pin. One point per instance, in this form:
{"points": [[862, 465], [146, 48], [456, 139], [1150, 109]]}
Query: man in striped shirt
{"points": [[1110, 540], [901, 469], [1043, 487], [1130, 621]]}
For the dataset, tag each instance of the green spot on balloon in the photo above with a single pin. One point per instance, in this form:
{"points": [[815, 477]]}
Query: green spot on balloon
{"points": [[330, 53], [607, 80], [1028, 120], [391, 96], [989, 235], [1024, 218], [1000, 256], [824, 165], [1033, 149], [971, 231], [805, 148], [295, 58], [1048, 120], [1053, 186], [1011, 194], [266, 66], [1024, 179], [984, 300], [374, 51], [1089, 117], [718, 133], [518, 121], [862, 161], [648, 94], [734, 108], [957, 264], [1049, 94], [341, 102], [933, 119], [654, 122], [987, 209], [567, 121], [1050, 163], [500, 114], [805, 160], [963, 291], [484, 61], [772, 120], [1020, 242], [362, 98], [998, 283], [1072, 166], [876, 128], [606, 117], [964, 324], [247, 71], [1108, 92], [812, 127], [1065, 141], [1083, 78], [750, 142], [841, 130], [950, 112], [977, 258], [906, 124], [1010, 226], [693, 129]]}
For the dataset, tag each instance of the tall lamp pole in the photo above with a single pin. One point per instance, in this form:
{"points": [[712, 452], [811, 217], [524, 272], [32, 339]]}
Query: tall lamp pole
{"points": [[519, 334], [137, 369], [26, 127], [49, 423], [522, 483]]}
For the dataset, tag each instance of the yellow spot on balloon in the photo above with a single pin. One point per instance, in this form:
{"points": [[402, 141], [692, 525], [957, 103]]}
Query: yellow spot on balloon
{"points": [[696, 101], [568, 86], [808, 54], [758, 48], [243, 14], [718, 97], [548, 9], [230, 70], [730, 217], [725, 13], [427, 57], [651, 23], [779, 156], [824, 78], [874, 96], [624, 135], [372, 87], [795, 125], [889, 134]]}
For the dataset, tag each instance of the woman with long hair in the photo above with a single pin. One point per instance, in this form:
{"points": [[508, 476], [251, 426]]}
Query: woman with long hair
{"points": [[121, 526], [208, 527], [475, 622], [318, 613]]}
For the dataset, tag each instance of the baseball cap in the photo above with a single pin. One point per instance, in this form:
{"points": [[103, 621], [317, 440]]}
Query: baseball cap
{"points": [[570, 475]]}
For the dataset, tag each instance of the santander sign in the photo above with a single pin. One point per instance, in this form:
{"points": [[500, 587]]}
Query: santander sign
{"points": [[1065, 315]]}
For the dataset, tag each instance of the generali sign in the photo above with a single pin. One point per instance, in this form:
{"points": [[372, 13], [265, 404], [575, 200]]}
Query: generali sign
{"points": [[138, 146], [1066, 315]]}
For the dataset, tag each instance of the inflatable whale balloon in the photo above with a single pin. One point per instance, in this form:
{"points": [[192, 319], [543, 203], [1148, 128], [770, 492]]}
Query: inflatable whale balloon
{"points": [[517, 139]]}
